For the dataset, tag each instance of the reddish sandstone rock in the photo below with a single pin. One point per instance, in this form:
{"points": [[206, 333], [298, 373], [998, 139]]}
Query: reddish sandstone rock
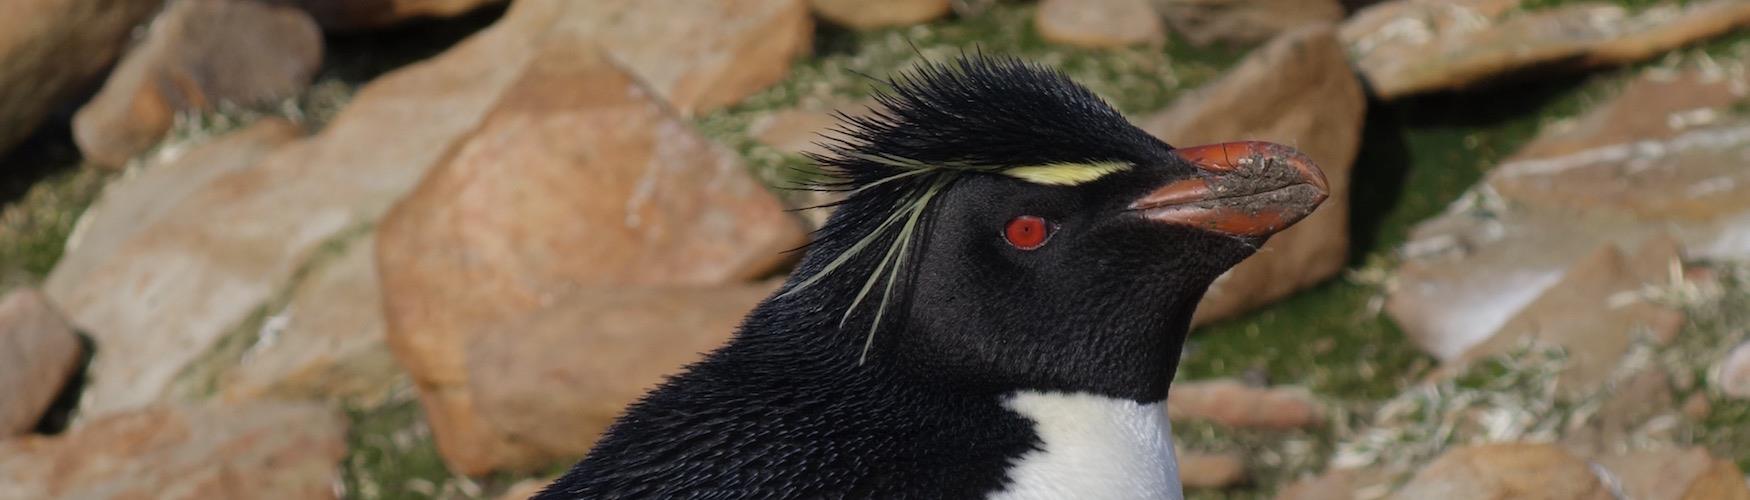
{"points": [[38, 353], [580, 177], [263, 450]]}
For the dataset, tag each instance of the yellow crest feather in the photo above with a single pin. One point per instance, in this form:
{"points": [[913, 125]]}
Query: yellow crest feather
{"points": [[1066, 174]]}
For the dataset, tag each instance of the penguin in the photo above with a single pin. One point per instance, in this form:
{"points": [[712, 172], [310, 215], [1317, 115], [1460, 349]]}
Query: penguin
{"points": [[996, 309]]}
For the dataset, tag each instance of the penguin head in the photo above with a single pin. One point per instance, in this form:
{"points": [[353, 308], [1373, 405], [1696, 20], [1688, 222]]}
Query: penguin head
{"points": [[1005, 229]]}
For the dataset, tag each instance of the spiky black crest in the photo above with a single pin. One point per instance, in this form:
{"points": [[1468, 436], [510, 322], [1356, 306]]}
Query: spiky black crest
{"points": [[974, 115]]}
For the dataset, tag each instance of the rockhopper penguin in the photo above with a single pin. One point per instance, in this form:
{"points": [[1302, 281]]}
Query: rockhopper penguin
{"points": [[995, 310]]}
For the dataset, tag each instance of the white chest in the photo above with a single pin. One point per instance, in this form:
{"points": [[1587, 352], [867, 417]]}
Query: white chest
{"points": [[1094, 447]]}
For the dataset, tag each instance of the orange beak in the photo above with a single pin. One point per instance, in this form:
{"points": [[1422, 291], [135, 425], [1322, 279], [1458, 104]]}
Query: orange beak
{"points": [[1245, 189]]}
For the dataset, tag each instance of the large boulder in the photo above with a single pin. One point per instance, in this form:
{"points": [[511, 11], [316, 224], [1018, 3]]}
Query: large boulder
{"points": [[580, 177], [1662, 158], [38, 354], [1205, 22], [1413, 46], [584, 358], [157, 293], [51, 49], [196, 55], [1297, 90], [264, 450]]}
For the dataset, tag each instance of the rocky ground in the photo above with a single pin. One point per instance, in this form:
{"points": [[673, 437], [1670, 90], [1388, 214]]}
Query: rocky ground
{"points": [[374, 249]]}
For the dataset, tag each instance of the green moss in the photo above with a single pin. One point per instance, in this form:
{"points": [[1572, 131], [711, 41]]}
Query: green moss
{"points": [[391, 456], [34, 228]]}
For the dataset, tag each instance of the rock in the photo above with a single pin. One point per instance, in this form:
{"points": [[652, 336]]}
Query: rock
{"points": [[1593, 314], [1231, 403], [604, 347], [864, 15], [1628, 406], [1415, 46], [132, 276], [698, 54], [38, 354], [1691, 474], [1576, 188], [275, 450], [1654, 105], [327, 343], [579, 178], [195, 55], [36, 38], [1098, 23], [1339, 484], [1199, 470], [1733, 375], [1297, 90], [1697, 407], [350, 15], [222, 247], [1499, 471], [795, 131], [1204, 22]]}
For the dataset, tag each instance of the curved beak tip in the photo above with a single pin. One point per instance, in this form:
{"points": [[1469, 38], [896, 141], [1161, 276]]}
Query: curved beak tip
{"points": [[1245, 189]]}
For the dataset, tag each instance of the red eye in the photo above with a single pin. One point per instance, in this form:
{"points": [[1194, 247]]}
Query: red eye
{"points": [[1027, 232]]}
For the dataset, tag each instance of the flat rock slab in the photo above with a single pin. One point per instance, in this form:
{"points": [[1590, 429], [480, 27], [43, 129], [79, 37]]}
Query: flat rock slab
{"points": [[38, 354], [1414, 46], [1594, 314], [1631, 169], [579, 178], [327, 343], [1299, 91], [268, 451], [196, 55], [148, 273]]}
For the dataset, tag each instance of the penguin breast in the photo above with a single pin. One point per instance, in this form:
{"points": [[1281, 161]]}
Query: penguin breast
{"points": [[1093, 447]]}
